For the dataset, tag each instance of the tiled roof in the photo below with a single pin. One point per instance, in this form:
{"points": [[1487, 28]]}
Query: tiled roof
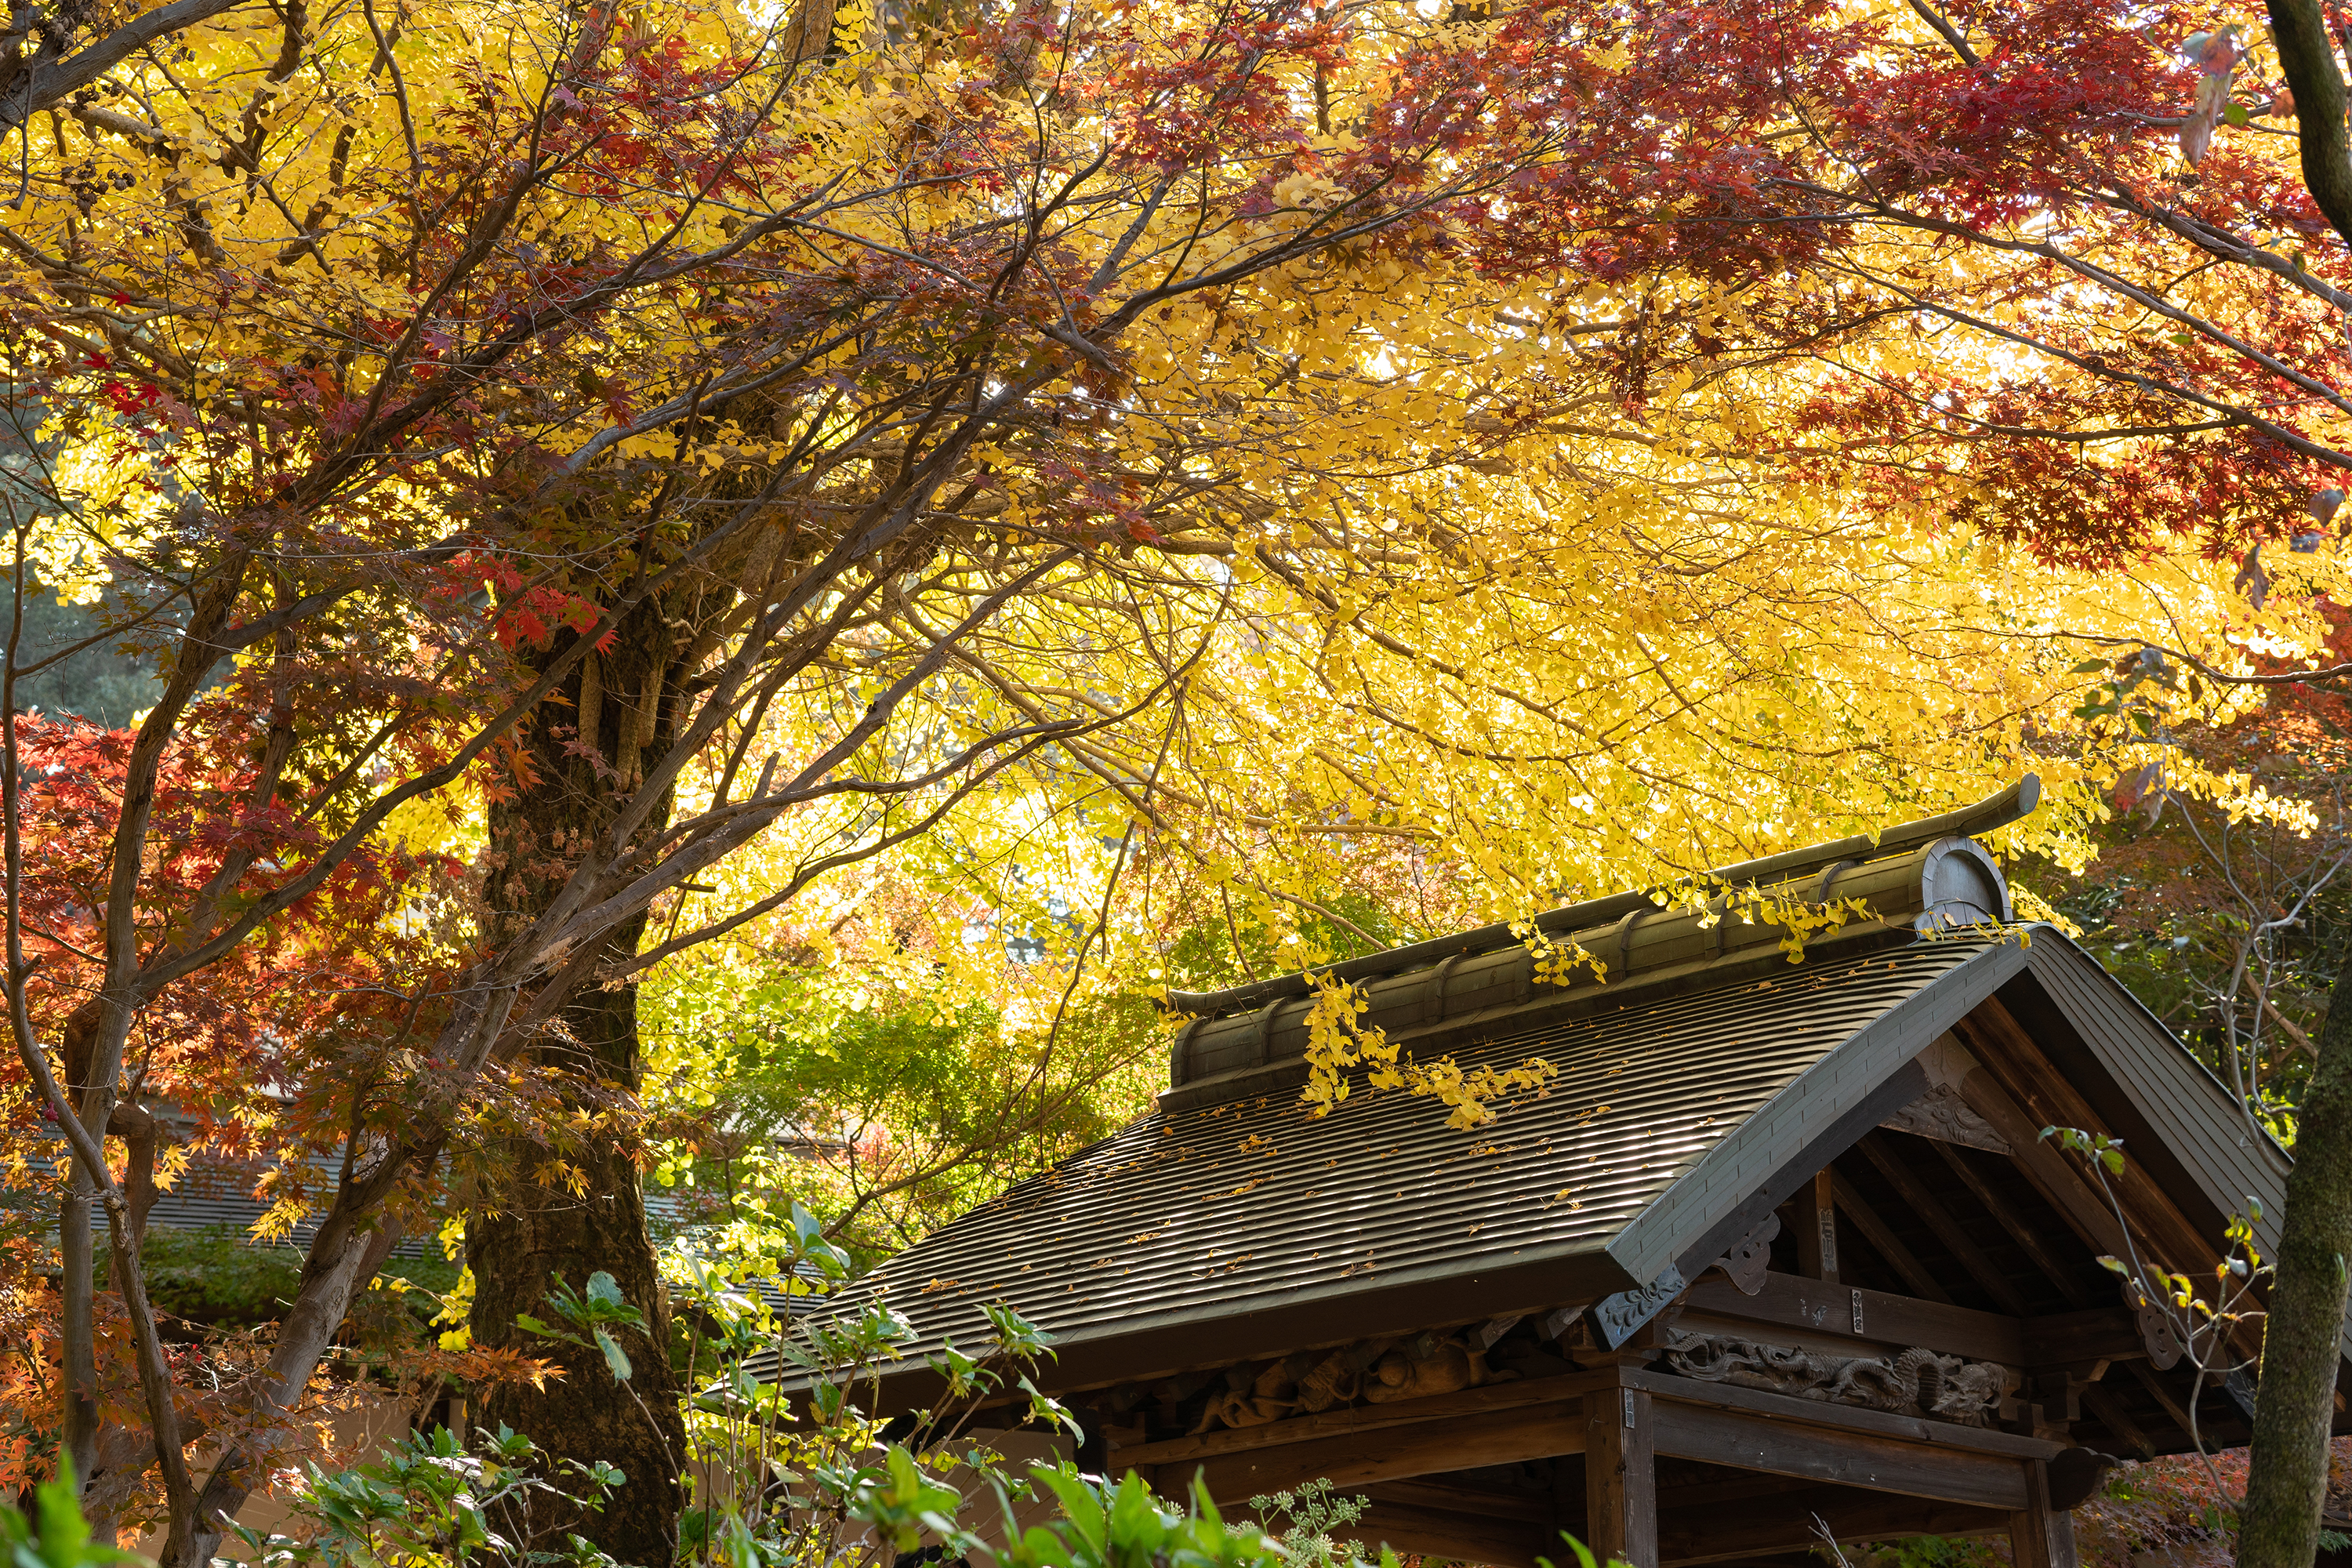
{"points": [[1225, 1210]]}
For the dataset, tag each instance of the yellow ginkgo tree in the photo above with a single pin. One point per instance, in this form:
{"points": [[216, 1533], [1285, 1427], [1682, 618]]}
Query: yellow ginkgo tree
{"points": [[671, 440]]}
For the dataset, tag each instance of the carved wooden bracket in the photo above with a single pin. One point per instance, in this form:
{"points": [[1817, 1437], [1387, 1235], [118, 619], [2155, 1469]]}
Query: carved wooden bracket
{"points": [[1750, 1259], [1942, 1114], [1619, 1317], [2159, 1335]]}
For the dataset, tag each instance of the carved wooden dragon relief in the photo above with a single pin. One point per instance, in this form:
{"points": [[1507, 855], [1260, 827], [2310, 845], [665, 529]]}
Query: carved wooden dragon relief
{"points": [[1913, 1382]]}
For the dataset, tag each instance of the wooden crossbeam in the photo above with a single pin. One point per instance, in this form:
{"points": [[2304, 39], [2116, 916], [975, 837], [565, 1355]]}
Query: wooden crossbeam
{"points": [[1355, 1460], [2029, 1238], [1464, 1535], [1362, 1419], [1938, 1219], [1789, 1414], [1694, 1535], [2099, 1333], [1748, 1441], [1887, 1318], [1882, 1235]]}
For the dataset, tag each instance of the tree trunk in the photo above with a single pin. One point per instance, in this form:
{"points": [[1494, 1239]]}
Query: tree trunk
{"points": [[2287, 1478], [536, 1223]]}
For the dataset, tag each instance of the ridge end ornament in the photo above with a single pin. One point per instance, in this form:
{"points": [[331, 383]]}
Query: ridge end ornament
{"points": [[1750, 1257]]}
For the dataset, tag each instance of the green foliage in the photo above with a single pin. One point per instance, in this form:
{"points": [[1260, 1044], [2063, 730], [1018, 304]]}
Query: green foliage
{"points": [[56, 1536], [429, 1502], [217, 1275], [1121, 1526], [103, 683], [1308, 1514], [1577, 1549], [927, 1106], [590, 1315]]}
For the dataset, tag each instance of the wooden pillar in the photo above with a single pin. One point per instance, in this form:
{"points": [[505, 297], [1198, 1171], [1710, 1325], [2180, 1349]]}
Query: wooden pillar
{"points": [[1621, 1487], [1817, 1248], [2041, 1536]]}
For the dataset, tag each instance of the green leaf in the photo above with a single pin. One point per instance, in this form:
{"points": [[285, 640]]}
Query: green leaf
{"points": [[2090, 665], [604, 1290], [2113, 1159], [2235, 114], [2112, 1264], [614, 1357]]}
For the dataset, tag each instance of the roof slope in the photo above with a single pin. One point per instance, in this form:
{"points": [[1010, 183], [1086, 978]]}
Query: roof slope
{"points": [[1216, 1215]]}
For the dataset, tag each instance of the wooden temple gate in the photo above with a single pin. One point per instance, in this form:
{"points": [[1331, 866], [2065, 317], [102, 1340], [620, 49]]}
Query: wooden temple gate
{"points": [[1779, 1252]]}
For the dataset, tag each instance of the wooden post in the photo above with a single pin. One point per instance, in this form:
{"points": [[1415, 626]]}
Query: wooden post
{"points": [[2041, 1536], [1816, 1248], [1621, 1488]]}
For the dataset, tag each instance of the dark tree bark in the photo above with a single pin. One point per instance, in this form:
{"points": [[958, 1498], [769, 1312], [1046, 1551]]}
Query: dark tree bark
{"points": [[2308, 58], [61, 61], [2286, 1479], [532, 1226], [2287, 1476]]}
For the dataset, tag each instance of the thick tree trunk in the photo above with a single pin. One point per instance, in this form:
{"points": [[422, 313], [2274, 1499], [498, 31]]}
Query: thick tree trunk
{"points": [[543, 1231], [2287, 1480], [540, 1222]]}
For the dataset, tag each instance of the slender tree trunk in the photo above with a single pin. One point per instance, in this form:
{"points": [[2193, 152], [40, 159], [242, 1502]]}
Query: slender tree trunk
{"points": [[77, 1388], [541, 1222], [2287, 1480]]}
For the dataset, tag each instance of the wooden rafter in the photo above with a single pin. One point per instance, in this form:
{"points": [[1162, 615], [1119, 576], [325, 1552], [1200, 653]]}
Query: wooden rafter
{"points": [[1948, 1231], [1882, 1237], [2028, 1237], [2103, 1405]]}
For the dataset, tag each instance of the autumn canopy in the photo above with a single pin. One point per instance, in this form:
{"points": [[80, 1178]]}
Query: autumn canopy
{"points": [[815, 560]]}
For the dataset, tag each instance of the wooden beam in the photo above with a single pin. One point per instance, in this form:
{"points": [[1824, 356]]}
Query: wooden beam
{"points": [[2029, 1240], [2025, 1072], [1794, 1414], [1464, 1537], [1720, 1489], [1748, 1441], [2153, 1380], [1432, 1492], [2100, 1334], [1882, 1235], [1887, 1318], [1690, 1536], [1364, 1418], [2013, 1065], [2110, 1413], [2096, 1333], [2066, 1189], [1621, 1486], [1817, 1251], [2090, 1335], [1938, 1219], [1351, 1461], [2041, 1536]]}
